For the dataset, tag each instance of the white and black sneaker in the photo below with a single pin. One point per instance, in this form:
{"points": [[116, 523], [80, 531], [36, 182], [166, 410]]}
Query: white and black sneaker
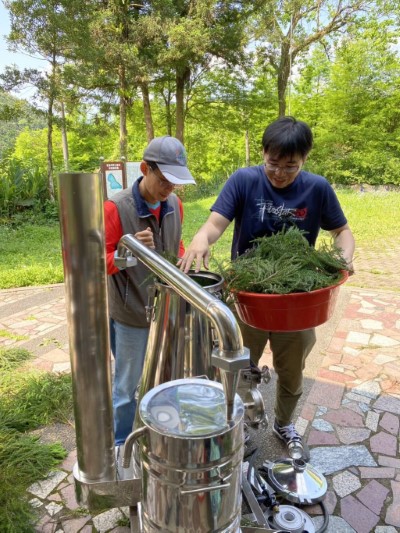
{"points": [[286, 433], [289, 435]]}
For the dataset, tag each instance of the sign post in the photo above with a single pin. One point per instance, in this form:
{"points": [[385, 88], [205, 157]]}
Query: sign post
{"points": [[118, 175], [114, 179]]}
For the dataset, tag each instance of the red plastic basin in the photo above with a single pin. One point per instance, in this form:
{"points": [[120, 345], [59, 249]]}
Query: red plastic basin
{"points": [[288, 312]]}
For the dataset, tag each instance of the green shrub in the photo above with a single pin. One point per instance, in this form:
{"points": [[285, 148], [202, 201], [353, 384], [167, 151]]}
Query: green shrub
{"points": [[21, 188]]}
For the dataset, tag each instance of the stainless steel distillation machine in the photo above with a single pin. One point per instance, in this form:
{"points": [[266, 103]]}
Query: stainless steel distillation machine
{"points": [[187, 445]]}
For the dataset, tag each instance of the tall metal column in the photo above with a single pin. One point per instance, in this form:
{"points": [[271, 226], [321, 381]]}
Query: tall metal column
{"points": [[83, 249]]}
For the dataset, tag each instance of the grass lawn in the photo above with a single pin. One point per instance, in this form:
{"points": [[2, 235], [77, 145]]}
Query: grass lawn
{"points": [[373, 216], [31, 255]]}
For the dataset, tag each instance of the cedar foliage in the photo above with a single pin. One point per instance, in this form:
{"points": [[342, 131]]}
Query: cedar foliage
{"points": [[284, 263]]}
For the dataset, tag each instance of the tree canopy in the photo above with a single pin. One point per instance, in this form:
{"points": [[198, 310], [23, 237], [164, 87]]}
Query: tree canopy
{"points": [[212, 73]]}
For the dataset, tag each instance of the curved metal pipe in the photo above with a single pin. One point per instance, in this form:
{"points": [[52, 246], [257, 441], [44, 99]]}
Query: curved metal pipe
{"points": [[229, 334], [230, 356]]}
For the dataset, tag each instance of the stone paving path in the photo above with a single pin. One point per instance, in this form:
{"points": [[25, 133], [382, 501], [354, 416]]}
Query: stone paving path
{"points": [[377, 269], [350, 415]]}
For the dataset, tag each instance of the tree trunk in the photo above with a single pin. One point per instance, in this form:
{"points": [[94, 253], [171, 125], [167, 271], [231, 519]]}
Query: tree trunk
{"points": [[181, 79], [283, 77], [50, 104], [169, 118], [247, 144], [123, 132], [64, 138], [147, 111], [50, 170]]}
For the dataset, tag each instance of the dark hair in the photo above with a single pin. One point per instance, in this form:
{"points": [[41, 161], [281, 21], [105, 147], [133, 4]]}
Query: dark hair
{"points": [[287, 136], [152, 165]]}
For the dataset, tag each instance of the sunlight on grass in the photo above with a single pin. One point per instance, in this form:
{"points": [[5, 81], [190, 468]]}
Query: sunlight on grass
{"points": [[373, 217], [8, 335], [30, 255], [196, 214], [12, 358], [23, 461]]}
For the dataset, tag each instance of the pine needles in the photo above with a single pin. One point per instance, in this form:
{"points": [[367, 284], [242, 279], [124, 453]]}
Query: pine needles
{"points": [[284, 263]]}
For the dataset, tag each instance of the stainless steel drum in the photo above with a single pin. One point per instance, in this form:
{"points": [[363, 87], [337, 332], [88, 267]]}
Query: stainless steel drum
{"points": [[181, 338], [190, 459]]}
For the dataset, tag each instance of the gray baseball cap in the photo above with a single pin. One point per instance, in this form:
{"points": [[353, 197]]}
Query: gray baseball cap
{"points": [[171, 159]]}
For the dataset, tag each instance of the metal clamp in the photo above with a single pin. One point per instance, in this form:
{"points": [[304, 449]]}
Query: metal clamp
{"points": [[124, 261]]}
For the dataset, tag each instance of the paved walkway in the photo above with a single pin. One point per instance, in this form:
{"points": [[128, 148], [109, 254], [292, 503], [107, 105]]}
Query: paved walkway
{"points": [[350, 417], [349, 412]]}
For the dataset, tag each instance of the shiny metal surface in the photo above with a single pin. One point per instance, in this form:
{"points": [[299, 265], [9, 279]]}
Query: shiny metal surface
{"points": [[191, 482], [250, 379], [180, 339], [130, 441], [297, 481], [291, 519], [250, 529], [230, 337], [255, 410], [83, 250], [253, 503], [103, 495], [230, 355]]}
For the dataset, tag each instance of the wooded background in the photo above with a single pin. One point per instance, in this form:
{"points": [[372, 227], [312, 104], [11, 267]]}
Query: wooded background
{"points": [[212, 73]]}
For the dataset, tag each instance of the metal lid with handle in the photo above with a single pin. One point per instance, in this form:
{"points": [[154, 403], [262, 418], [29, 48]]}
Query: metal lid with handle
{"points": [[296, 480]]}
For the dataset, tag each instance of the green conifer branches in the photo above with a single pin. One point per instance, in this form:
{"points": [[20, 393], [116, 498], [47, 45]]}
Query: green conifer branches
{"points": [[284, 263]]}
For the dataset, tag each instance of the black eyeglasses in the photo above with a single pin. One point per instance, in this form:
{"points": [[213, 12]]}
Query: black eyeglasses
{"points": [[286, 170]]}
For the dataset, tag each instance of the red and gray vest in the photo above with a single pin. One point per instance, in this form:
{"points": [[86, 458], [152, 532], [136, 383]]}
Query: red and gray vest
{"points": [[127, 289]]}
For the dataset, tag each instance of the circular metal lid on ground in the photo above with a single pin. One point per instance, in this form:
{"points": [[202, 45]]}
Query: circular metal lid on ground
{"points": [[297, 481]]}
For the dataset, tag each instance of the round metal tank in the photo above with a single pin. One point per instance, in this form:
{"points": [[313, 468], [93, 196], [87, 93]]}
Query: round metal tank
{"points": [[181, 337], [190, 459]]}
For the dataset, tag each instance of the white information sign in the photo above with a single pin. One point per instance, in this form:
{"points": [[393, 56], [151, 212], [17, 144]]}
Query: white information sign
{"points": [[114, 177]]}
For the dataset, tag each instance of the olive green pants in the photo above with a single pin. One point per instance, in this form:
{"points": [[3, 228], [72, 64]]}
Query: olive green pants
{"points": [[289, 353]]}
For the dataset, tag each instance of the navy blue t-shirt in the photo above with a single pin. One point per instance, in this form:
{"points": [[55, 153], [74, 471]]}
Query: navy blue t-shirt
{"points": [[260, 209]]}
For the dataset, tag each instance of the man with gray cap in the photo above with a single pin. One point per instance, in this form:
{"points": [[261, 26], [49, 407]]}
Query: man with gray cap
{"points": [[153, 214]]}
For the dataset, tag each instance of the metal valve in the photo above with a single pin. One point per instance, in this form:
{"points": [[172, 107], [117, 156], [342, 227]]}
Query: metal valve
{"points": [[255, 375], [250, 378]]}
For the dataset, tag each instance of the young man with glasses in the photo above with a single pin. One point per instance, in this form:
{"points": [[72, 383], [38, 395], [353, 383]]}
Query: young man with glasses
{"points": [[262, 200], [151, 212]]}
